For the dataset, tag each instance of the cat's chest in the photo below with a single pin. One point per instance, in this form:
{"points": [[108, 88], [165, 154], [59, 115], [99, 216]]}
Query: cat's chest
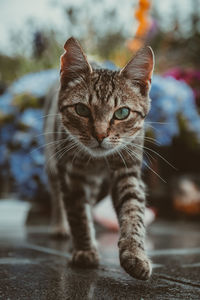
{"points": [[89, 166]]}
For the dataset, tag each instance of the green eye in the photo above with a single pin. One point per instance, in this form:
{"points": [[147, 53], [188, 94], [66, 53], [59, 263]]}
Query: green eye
{"points": [[82, 110], [122, 113]]}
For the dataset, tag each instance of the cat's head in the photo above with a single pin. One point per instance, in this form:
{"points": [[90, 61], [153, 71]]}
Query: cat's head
{"points": [[103, 110]]}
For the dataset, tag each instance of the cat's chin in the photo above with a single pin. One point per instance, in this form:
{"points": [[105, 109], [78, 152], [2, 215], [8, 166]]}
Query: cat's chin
{"points": [[100, 151]]}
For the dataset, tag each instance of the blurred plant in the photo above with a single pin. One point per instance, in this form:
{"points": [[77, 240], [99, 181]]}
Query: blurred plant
{"points": [[191, 77], [14, 67], [173, 113], [101, 34], [141, 14], [23, 101], [21, 119], [178, 45], [40, 44]]}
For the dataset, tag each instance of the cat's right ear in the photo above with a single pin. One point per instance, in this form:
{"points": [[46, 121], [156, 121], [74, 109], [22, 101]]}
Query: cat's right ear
{"points": [[73, 63]]}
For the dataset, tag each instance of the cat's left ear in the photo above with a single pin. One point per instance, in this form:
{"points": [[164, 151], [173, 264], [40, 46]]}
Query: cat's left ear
{"points": [[73, 63], [139, 69]]}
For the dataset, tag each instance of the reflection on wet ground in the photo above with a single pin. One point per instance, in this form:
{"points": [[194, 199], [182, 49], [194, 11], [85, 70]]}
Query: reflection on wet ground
{"points": [[34, 266]]}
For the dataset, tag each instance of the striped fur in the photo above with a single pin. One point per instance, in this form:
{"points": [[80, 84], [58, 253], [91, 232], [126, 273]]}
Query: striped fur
{"points": [[82, 169]]}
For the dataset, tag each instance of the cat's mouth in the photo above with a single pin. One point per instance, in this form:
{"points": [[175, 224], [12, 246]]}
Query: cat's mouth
{"points": [[98, 147], [99, 151]]}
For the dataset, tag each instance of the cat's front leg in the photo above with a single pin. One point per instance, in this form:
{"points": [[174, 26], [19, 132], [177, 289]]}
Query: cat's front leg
{"points": [[129, 201], [85, 250], [59, 224], [80, 220]]}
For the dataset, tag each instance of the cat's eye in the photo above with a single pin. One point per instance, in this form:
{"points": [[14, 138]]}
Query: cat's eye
{"points": [[82, 110], [122, 113]]}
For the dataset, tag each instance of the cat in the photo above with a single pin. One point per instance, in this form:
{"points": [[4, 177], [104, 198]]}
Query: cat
{"points": [[94, 131]]}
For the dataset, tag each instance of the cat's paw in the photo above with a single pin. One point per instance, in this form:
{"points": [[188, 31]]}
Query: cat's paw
{"points": [[85, 259], [136, 264], [60, 232]]}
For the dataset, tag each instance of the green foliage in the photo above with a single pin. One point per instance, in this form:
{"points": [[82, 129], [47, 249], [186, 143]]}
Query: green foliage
{"points": [[104, 36], [14, 67], [25, 100], [9, 68]]}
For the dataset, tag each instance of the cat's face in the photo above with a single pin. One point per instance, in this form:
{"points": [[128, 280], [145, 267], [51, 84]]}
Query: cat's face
{"points": [[102, 110]]}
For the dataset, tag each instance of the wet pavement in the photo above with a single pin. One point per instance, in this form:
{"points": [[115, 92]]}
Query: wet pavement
{"points": [[35, 266]]}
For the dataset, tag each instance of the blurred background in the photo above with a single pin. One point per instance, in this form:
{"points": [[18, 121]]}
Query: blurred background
{"points": [[32, 37]]}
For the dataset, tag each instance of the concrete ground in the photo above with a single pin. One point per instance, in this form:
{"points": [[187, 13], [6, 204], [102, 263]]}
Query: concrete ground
{"points": [[35, 266]]}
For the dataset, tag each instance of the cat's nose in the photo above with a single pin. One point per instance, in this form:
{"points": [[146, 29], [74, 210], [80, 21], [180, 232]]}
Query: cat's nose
{"points": [[100, 137]]}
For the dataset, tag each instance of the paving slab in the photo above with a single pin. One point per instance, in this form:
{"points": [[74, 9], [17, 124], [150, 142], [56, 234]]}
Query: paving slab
{"points": [[35, 266]]}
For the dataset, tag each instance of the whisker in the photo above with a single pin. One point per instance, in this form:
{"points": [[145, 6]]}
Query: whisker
{"points": [[108, 165], [135, 154], [88, 160], [49, 133], [51, 157], [154, 172], [66, 150], [148, 139], [57, 153], [149, 122], [156, 129], [148, 156], [151, 142], [120, 154], [145, 152], [50, 143], [60, 150], [76, 154], [147, 148], [141, 136], [45, 116], [151, 139]]}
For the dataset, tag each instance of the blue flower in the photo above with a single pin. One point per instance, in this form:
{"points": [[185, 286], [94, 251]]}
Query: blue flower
{"points": [[6, 133], [6, 106], [3, 154], [36, 84], [22, 139], [33, 118], [171, 98], [24, 170]]}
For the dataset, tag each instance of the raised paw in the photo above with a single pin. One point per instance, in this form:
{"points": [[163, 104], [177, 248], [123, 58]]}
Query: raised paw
{"points": [[85, 259], [136, 264]]}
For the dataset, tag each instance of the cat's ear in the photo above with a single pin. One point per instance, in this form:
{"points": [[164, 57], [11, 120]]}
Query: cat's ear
{"points": [[73, 63], [139, 69]]}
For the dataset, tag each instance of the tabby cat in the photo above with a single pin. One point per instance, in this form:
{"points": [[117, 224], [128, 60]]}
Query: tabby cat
{"points": [[94, 132]]}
